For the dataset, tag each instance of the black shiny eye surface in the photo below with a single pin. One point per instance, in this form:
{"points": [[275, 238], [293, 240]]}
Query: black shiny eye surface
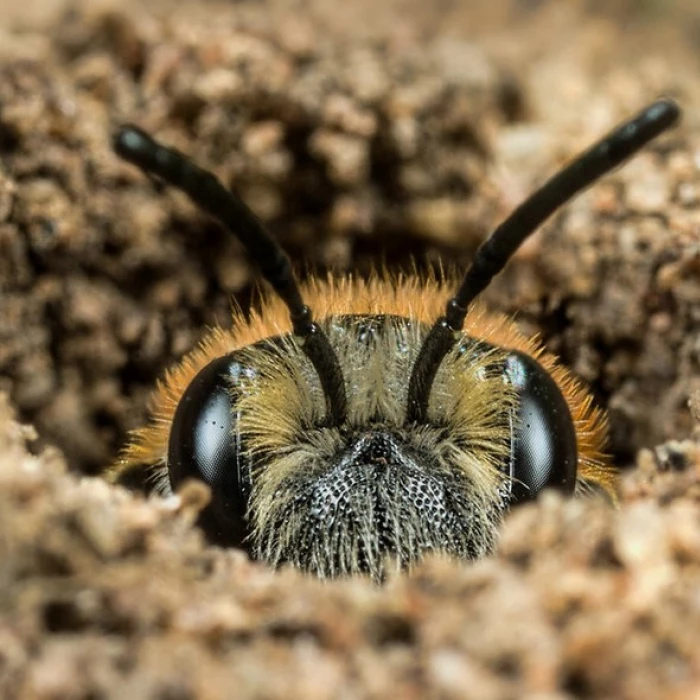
{"points": [[544, 450], [204, 445]]}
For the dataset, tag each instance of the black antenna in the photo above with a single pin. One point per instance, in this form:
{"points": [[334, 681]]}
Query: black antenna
{"points": [[497, 249], [204, 189]]}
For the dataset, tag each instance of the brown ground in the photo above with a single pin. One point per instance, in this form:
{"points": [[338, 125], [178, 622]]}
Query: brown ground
{"points": [[361, 134]]}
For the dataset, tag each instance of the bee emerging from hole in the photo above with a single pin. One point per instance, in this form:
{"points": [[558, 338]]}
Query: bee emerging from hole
{"points": [[386, 429]]}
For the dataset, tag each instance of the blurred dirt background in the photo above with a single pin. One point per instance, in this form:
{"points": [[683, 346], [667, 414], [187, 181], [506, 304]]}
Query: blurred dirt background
{"points": [[364, 134]]}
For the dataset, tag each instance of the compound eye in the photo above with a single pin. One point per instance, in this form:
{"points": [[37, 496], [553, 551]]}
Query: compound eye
{"points": [[204, 445], [544, 452]]}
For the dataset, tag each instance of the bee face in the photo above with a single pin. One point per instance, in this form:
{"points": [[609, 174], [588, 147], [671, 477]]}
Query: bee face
{"points": [[384, 431], [250, 419]]}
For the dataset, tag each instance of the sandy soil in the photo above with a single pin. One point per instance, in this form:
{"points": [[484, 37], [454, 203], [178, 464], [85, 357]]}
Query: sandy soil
{"points": [[398, 141]]}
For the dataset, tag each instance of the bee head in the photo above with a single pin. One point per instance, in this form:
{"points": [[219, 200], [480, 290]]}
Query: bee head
{"points": [[375, 437], [377, 489]]}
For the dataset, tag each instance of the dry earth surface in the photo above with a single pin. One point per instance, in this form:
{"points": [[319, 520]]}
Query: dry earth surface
{"points": [[400, 142]]}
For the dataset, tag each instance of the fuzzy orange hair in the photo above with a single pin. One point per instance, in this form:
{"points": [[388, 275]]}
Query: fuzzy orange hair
{"points": [[406, 296]]}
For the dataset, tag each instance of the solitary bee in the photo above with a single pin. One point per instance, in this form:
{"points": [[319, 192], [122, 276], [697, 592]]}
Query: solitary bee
{"points": [[385, 429]]}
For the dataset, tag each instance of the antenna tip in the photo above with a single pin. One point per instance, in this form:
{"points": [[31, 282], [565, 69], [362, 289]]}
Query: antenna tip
{"points": [[665, 112], [129, 141]]}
